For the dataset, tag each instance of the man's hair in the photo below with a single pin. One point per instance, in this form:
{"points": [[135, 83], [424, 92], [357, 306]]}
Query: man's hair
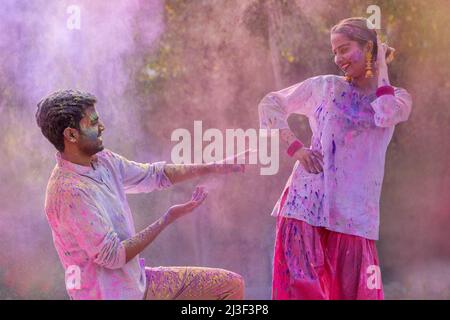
{"points": [[60, 110]]}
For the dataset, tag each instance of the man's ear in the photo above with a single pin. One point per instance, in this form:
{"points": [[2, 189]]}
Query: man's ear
{"points": [[71, 134]]}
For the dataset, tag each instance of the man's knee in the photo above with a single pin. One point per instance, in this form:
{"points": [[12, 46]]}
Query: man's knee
{"points": [[237, 286]]}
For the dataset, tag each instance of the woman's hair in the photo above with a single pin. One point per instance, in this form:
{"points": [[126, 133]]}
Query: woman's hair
{"points": [[357, 29]]}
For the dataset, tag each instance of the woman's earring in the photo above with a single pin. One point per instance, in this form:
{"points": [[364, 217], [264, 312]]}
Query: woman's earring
{"points": [[369, 73]]}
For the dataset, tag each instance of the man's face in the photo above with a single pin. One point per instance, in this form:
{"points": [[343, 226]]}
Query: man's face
{"points": [[90, 141]]}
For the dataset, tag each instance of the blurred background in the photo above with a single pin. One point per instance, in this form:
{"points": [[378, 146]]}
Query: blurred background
{"points": [[158, 65]]}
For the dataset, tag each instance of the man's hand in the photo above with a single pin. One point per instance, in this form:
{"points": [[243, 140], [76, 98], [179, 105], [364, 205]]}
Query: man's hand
{"points": [[177, 211], [310, 159], [139, 241]]}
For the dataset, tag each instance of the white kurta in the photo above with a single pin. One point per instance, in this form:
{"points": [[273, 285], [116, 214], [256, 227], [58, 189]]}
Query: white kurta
{"points": [[89, 216], [352, 131]]}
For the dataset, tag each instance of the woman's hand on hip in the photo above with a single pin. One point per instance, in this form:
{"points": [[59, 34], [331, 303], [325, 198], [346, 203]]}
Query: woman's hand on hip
{"points": [[311, 160]]}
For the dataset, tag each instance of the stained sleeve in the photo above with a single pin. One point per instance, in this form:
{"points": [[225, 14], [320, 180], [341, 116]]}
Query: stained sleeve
{"points": [[141, 177], [275, 107], [392, 109]]}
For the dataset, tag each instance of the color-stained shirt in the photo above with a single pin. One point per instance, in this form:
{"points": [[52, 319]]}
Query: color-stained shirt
{"points": [[352, 131], [89, 216]]}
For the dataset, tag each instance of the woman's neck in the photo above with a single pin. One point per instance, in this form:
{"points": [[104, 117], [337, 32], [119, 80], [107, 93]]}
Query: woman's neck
{"points": [[365, 85]]}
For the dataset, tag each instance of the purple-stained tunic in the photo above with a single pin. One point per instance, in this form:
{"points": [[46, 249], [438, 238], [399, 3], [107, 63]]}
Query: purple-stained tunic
{"points": [[352, 131], [89, 216]]}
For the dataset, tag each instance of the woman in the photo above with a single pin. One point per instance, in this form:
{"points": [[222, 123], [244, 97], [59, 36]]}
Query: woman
{"points": [[328, 214]]}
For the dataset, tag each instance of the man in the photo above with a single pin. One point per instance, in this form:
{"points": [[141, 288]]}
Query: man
{"points": [[91, 221]]}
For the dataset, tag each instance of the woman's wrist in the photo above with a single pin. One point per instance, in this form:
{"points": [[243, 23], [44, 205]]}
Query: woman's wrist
{"points": [[294, 147], [385, 90], [383, 77], [384, 86]]}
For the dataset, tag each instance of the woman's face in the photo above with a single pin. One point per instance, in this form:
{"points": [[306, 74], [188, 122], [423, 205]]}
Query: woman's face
{"points": [[348, 55]]}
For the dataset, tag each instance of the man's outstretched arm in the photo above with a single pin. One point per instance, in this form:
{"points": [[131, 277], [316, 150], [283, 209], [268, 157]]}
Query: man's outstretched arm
{"points": [[181, 172], [145, 177]]}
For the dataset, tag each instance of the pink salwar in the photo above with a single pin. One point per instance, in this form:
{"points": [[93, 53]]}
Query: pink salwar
{"points": [[313, 263]]}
